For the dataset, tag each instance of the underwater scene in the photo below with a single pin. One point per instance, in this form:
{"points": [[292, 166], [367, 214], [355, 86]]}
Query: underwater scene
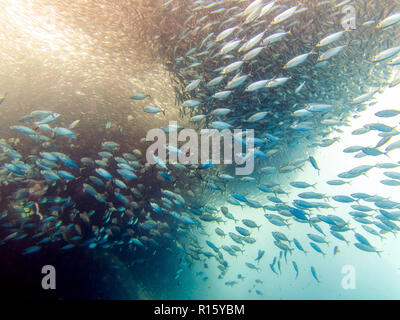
{"points": [[200, 149]]}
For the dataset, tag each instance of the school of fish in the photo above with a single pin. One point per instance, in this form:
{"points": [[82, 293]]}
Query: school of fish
{"points": [[286, 69]]}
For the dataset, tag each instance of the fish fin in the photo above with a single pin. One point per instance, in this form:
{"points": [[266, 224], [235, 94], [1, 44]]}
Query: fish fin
{"points": [[263, 209]]}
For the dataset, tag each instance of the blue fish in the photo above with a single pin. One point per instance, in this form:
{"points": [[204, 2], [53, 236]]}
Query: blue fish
{"points": [[32, 249]]}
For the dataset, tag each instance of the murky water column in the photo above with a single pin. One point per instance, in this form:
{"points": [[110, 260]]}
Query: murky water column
{"points": [[85, 60]]}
